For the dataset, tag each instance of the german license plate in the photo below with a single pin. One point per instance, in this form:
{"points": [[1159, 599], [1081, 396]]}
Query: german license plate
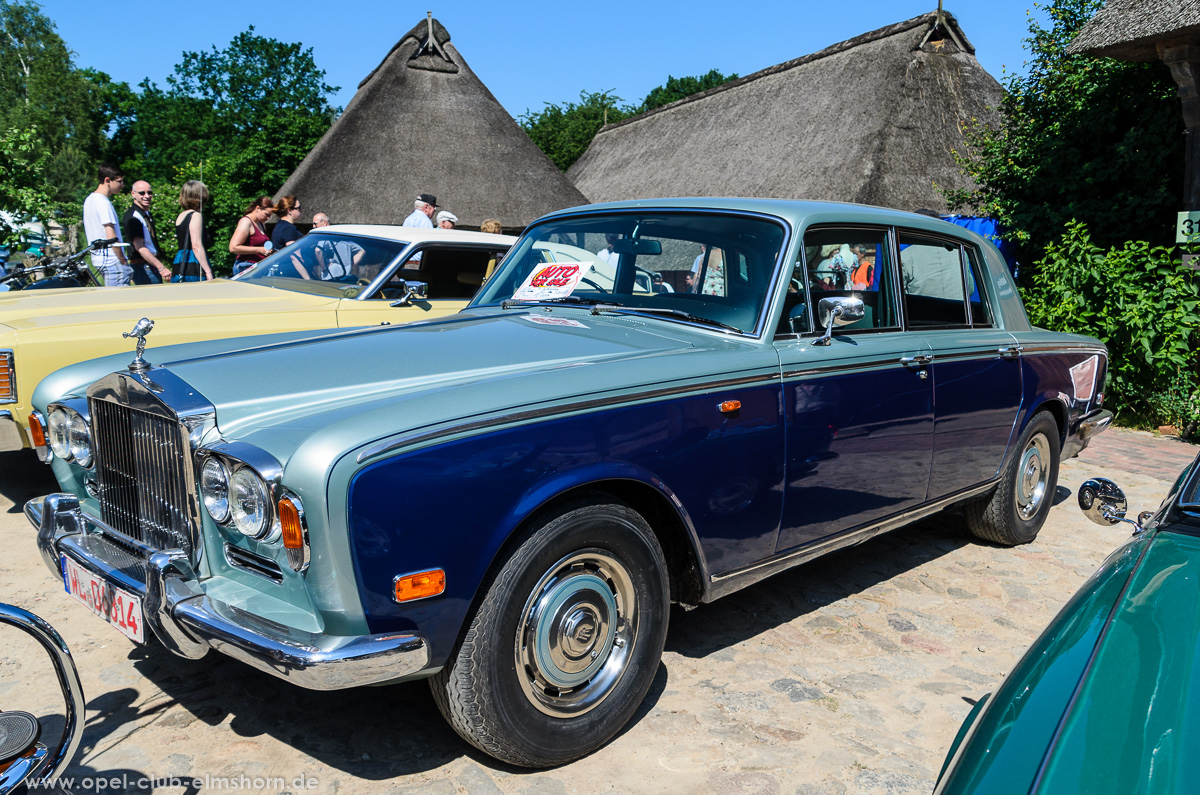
{"points": [[116, 606]]}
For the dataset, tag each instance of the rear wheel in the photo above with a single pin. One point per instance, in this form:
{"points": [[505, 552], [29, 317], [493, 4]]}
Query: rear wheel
{"points": [[566, 643], [1014, 513]]}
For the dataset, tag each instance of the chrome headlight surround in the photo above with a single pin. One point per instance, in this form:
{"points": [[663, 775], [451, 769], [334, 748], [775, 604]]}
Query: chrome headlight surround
{"points": [[69, 434], [238, 485]]}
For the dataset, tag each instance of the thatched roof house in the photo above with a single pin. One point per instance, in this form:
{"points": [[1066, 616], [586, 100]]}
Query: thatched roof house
{"points": [[1134, 30], [876, 119], [422, 122]]}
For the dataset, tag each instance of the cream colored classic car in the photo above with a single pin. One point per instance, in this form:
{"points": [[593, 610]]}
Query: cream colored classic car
{"points": [[335, 277]]}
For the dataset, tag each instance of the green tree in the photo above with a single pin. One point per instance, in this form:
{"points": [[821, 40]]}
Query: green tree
{"points": [[40, 87], [22, 185], [240, 119], [564, 131], [1095, 139], [677, 88]]}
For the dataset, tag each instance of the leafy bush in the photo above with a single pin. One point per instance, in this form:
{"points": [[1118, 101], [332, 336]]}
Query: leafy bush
{"points": [[1139, 300], [1181, 408]]}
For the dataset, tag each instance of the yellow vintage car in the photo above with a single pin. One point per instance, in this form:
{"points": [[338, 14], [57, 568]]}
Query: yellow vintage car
{"points": [[335, 277]]}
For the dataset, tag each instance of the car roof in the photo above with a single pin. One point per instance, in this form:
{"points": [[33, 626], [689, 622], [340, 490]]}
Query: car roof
{"points": [[797, 212], [412, 234]]}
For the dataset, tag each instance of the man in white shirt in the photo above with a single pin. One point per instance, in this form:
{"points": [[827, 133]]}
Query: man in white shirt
{"points": [[100, 222], [422, 214]]}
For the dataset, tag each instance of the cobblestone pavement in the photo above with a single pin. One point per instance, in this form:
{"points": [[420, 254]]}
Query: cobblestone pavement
{"points": [[849, 674]]}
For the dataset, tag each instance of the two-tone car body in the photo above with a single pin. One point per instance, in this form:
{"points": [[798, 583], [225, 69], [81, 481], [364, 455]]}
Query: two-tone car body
{"points": [[507, 500], [1101, 702], [305, 286]]}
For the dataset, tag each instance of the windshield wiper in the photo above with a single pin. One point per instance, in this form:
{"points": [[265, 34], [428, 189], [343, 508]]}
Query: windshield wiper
{"points": [[569, 300], [708, 321]]}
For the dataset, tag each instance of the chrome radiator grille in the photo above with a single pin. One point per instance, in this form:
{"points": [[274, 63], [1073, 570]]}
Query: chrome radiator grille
{"points": [[144, 476]]}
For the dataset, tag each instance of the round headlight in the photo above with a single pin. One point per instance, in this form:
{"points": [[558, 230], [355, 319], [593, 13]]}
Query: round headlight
{"points": [[59, 428], [214, 490], [249, 502], [81, 440]]}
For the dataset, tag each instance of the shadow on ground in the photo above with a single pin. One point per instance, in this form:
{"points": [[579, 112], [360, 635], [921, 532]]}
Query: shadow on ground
{"points": [[385, 732]]}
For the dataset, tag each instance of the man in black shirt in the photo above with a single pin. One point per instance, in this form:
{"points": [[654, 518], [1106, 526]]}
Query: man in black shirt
{"points": [[138, 228]]}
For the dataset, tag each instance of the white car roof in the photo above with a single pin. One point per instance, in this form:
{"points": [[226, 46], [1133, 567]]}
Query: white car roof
{"points": [[413, 234]]}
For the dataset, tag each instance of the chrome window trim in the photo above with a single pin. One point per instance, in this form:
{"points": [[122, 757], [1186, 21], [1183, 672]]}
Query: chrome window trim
{"points": [[465, 426], [889, 244], [11, 356], [771, 296]]}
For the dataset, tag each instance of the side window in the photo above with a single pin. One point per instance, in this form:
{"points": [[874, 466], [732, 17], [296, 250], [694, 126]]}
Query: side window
{"points": [[932, 273], [449, 272], [852, 262], [980, 315]]}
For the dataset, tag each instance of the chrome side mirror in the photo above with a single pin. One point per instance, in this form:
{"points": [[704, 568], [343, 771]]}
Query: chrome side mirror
{"points": [[1104, 503], [413, 291], [839, 311]]}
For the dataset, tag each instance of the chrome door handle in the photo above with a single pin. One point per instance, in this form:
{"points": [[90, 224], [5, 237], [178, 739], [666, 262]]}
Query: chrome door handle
{"points": [[1011, 352], [920, 359]]}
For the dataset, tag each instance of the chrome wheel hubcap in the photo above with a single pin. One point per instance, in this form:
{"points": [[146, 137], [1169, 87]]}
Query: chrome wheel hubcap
{"points": [[1033, 476], [576, 633]]}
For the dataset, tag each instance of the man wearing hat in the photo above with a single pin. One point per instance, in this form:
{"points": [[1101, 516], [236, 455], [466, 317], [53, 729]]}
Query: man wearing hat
{"points": [[446, 220], [422, 212]]}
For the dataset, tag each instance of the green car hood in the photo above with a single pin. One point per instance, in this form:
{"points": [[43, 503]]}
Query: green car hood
{"points": [[1108, 698], [1135, 726], [331, 392]]}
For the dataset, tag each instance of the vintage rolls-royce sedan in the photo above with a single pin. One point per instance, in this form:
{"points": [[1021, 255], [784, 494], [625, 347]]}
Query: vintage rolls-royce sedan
{"points": [[647, 402]]}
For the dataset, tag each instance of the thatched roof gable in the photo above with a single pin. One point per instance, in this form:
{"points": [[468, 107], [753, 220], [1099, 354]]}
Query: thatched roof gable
{"points": [[1132, 29], [422, 122], [875, 119]]}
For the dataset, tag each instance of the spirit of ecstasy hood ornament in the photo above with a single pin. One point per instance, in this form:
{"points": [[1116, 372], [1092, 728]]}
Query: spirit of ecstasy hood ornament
{"points": [[143, 327]]}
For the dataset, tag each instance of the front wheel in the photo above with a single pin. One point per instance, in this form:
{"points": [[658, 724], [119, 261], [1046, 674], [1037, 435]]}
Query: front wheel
{"points": [[566, 642], [1014, 513]]}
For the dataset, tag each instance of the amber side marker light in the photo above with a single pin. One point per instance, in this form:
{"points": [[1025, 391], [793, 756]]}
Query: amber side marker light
{"points": [[421, 585], [290, 524], [37, 434], [730, 406]]}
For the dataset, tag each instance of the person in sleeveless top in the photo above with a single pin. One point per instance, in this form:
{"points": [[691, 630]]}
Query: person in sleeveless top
{"points": [[191, 263], [250, 241]]}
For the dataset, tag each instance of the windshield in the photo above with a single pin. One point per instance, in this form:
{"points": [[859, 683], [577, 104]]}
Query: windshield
{"points": [[713, 269], [327, 264]]}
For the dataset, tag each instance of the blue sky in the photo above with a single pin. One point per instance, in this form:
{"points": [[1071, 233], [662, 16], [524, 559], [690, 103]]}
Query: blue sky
{"points": [[527, 53]]}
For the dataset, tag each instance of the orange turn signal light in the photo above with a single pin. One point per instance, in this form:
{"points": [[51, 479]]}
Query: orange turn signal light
{"points": [[37, 434], [420, 585], [730, 406], [291, 524]]}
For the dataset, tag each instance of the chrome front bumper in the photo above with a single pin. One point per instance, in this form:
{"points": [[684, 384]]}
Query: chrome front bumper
{"points": [[189, 623]]}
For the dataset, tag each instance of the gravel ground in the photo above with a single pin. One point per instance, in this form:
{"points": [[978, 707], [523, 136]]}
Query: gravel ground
{"points": [[849, 674]]}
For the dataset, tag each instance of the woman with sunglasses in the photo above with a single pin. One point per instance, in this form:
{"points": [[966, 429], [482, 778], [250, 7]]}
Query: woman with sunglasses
{"points": [[285, 232]]}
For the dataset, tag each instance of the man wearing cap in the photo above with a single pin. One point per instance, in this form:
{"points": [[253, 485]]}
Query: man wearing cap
{"points": [[446, 220], [422, 212]]}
